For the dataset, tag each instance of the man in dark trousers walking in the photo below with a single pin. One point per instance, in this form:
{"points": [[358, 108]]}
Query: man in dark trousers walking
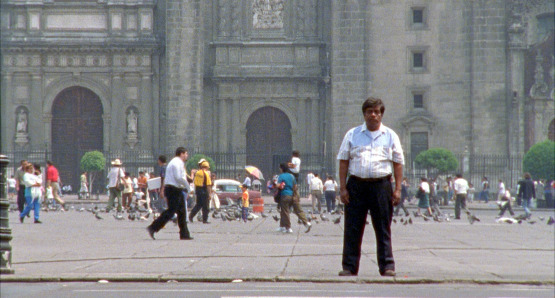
{"points": [[174, 185], [370, 154]]}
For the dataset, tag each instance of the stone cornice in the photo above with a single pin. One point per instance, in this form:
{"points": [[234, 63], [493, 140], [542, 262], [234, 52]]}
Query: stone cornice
{"points": [[77, 48]]}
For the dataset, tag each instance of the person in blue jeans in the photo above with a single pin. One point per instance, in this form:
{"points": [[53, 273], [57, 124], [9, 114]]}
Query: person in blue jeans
{"points": [[33, 183], [484, 194], [526, 192]]}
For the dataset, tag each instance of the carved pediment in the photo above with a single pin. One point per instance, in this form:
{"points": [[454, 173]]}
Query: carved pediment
{"points": [[419, 118]]}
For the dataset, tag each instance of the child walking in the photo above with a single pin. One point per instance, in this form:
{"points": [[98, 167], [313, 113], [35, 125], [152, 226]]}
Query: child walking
{"points": [[245, 202]]}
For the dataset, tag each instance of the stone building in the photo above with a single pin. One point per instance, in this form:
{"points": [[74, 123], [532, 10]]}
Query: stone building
{"points": [[264, 77]]}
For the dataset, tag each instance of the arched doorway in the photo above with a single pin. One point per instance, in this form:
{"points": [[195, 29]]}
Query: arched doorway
{"points": [[551, 130], [268, 140], [77, 127]]}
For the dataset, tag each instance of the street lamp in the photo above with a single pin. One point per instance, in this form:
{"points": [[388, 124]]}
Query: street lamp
{"points": [[5, 231]]}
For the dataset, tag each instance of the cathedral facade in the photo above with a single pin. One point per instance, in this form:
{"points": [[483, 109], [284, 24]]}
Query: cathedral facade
{"points": [[265, 77]]}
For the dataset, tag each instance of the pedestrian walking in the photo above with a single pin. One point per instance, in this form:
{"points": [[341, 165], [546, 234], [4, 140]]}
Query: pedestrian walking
{"points": [[484, 193], [115, 185], [470, 193], [175, 185], [127, 193], [203, 188], [423, 195], [404, 196], [317, 189], [370, 154], [33, 193], [500, 190], [504, 204], [460, 186], [244, 202], [309, 177], [53, 180], [329, 193], [526, 192], [11, 187], [287, 184], [20, 185], [84, 189]]}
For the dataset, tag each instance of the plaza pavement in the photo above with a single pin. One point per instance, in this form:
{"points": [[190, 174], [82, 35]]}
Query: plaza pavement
{"points": [[75, 246]]}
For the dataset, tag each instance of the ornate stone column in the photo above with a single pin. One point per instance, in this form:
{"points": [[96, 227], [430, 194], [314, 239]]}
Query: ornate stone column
{"points": [[5, 231]]}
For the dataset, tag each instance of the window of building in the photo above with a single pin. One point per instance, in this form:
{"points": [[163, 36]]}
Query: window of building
{"points": [[418, 100], [417, 16], [417, 60], [418, 143]]}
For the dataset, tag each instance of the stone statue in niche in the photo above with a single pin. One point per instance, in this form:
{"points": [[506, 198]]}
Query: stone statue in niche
{"points": [[21, 122], [132, 122], [267, 14]]}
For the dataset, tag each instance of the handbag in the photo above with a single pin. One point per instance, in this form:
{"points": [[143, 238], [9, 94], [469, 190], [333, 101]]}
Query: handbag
{"points": [[277, 195], [119, 186]]}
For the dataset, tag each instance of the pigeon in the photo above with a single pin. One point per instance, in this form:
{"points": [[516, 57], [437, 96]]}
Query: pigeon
{"points": [[131, 216], [97, 216], [81, 209], [425, 217], [402, 220], [472, 218], [550, 221], [532, 222], [276, 218], [338, 220], [406, 223], [506, 220], [394, 220], [118, 216], [410, 220], [323, 217], [263, 215], [541, 218], [223, 217]]}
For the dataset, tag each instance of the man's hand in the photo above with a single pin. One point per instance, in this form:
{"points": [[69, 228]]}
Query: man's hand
{"points": [[396, 197], [344, 195]]}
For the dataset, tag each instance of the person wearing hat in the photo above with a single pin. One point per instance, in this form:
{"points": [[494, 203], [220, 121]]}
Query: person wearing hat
{"points": [[115, 176], [203, 188]]}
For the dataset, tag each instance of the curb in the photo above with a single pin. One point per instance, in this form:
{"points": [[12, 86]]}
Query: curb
{"points": [[166, 279]]}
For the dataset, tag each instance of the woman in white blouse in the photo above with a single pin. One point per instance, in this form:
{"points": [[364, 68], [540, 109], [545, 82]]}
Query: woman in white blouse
{"points": [[329, 193], [424, 196], [33, 192]]}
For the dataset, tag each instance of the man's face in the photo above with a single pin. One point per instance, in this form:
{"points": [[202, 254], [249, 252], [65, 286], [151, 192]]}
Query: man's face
{"points": [[184, 156], [373, 117]]}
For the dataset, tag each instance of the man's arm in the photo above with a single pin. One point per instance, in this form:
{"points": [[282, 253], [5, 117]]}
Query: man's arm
{"points": [[343, 169], [398, 174]]}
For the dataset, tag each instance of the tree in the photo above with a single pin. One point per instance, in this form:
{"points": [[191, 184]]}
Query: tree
{"points": [[539, 161], [440, 159], [93, 162], [192, 163]]}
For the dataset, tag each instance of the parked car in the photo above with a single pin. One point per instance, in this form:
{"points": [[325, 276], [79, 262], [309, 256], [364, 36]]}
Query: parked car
{"points": [[230, 190]]}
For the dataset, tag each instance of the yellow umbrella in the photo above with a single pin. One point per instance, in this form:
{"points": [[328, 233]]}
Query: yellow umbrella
{"points": [[254, 171]]}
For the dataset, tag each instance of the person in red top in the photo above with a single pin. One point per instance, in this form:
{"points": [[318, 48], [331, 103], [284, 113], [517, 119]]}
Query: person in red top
{"points": [[52, 180]]}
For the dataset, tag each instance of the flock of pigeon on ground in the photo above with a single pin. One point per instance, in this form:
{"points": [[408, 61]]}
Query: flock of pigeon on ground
{"points": [[232, 212]]}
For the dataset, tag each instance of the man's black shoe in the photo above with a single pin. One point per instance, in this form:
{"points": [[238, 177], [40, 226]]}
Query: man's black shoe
{"points": [[346, 273], [186, 238], [21, 219], [38, 221], [389, 272], [150, 231], [206, 222]]}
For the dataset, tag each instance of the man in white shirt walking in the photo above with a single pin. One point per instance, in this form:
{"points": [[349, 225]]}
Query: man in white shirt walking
{"points": [[461, 189], [316, 190], [175, 184]]}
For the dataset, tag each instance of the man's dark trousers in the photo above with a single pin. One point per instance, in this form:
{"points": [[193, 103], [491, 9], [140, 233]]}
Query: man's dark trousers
{"points": [[176, 204], [21, 198], [203, 202], [376, 197]]}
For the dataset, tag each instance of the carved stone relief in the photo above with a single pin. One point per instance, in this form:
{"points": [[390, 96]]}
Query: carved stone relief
{"points": [[223, 15], [267, 14]]}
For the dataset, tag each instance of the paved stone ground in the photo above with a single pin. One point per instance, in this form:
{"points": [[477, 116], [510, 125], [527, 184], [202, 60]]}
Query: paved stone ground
{"points": [[75, 246]]}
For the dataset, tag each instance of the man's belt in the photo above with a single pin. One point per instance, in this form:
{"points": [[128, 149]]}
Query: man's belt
{"points": [[381, 179]]}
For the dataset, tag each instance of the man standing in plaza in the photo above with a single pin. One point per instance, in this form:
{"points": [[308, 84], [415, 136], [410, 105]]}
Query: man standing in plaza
{"points": [[317, 188], [52, 180], [115, 177], [20, 186], [460, 185], [175, 185], [369, 154], [526, 192]]}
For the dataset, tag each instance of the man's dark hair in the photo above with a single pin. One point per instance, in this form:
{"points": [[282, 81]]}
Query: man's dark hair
{"points": [[372, 102], [527, 176], [22, 161], [48, 162], [283, 166], [296, 153], [315, 174], [180, 150], [162, 158], [459, 176]]}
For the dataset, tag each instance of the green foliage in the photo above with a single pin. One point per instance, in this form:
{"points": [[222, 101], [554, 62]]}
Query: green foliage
{"points": [[192, 163], [539, 161], [441, 159], [93, 161]]}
